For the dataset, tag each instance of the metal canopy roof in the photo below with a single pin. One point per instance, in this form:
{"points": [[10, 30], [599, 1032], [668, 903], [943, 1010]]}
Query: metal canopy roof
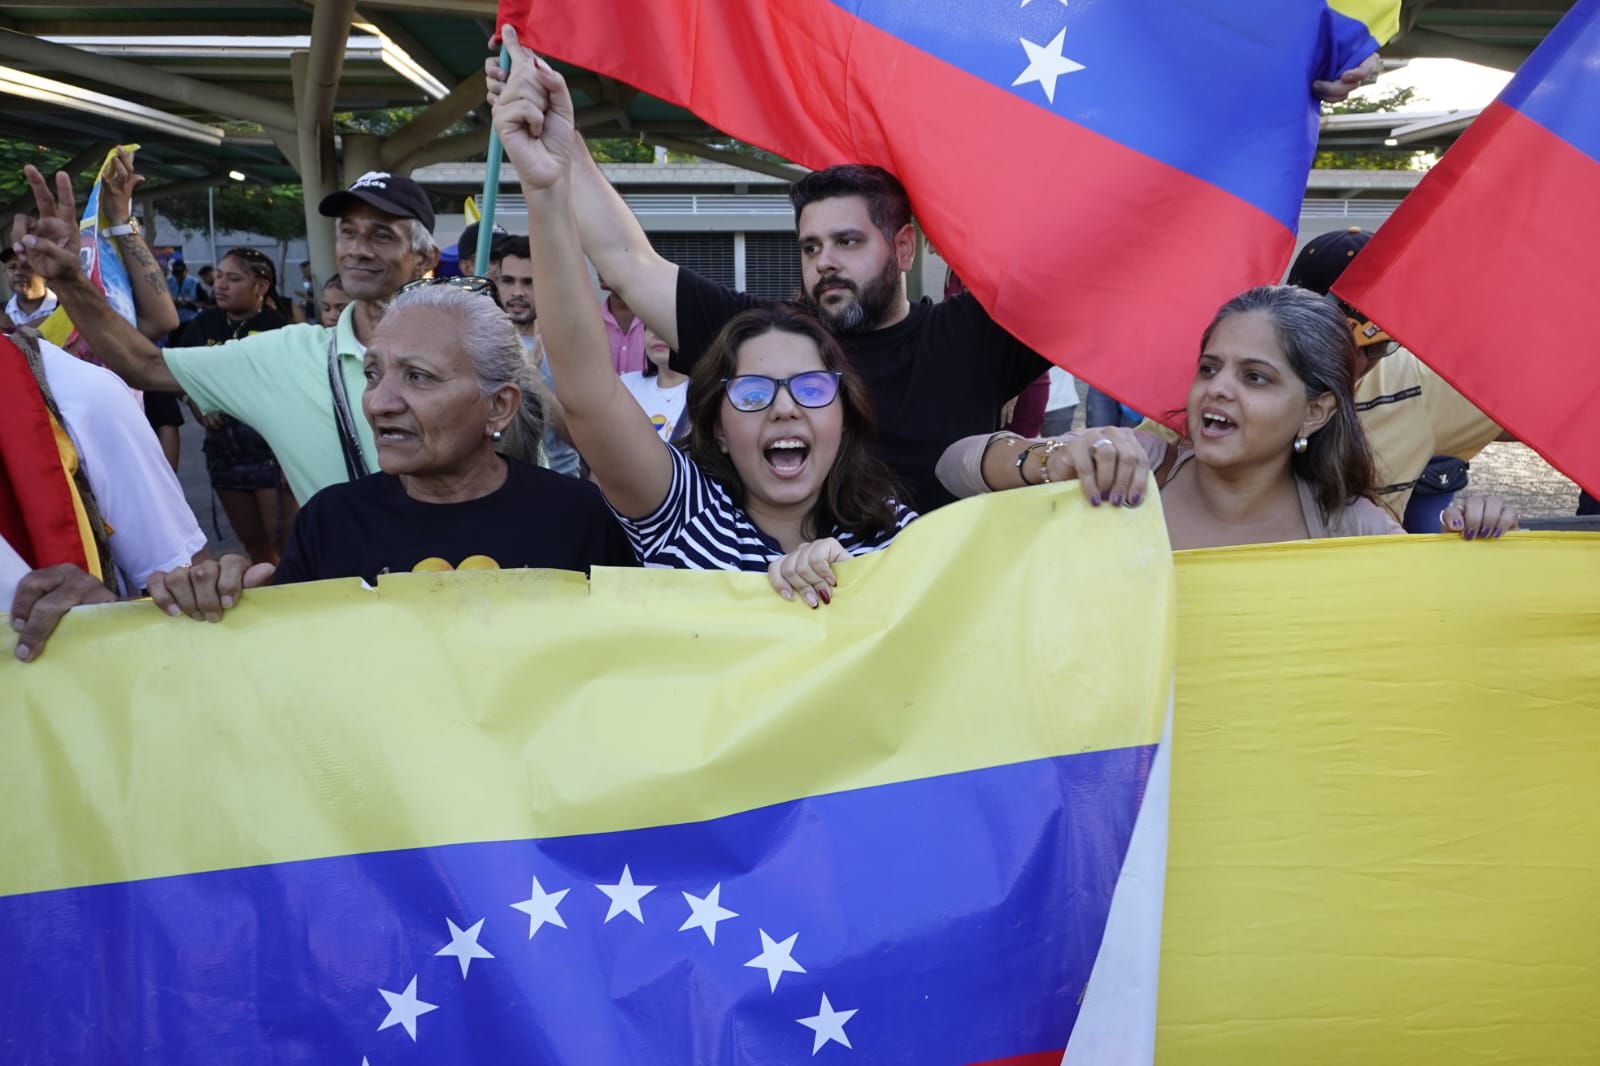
{"points": [[239, 86]]}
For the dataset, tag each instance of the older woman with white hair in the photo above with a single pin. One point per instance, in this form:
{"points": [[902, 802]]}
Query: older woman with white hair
{"points": [[445, 385]]}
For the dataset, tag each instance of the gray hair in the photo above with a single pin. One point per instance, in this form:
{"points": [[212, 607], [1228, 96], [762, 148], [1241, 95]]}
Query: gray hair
{"points": [[492, 343], [419, 238]]}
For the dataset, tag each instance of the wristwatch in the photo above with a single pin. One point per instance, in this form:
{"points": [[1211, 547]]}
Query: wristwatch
{"points": [[127, 229]]}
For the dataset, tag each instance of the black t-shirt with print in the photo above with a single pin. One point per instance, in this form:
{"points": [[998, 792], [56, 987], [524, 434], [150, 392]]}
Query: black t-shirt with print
{"points": [[940, 374], [212, 326], [537, 519]]}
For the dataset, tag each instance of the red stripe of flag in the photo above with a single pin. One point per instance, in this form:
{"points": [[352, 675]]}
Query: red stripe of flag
{"points": [[1490, 273]]}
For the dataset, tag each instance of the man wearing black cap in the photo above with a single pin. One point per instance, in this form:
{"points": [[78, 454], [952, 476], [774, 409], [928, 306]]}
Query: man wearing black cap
{"points": [[300, 386], [1409, 413]]}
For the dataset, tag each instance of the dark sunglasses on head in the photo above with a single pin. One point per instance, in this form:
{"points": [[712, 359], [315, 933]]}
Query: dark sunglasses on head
{"points": [[756, 392], [472, 283]]}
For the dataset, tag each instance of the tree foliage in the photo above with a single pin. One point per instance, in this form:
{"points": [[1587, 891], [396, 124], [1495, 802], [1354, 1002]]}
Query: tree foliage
{"points": [[276, 211], [14, 155], [1377, 159]]}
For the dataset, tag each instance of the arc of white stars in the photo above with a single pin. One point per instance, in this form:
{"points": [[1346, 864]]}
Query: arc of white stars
{"points": [[625, 896], [464, 945], [540, 907], [404, 1009], [776, 958], [828, 1024], [706, 913], [1046, 64]]}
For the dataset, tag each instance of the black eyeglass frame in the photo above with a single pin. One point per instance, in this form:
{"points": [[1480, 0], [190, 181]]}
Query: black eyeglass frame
{"points": [[783, 383]]}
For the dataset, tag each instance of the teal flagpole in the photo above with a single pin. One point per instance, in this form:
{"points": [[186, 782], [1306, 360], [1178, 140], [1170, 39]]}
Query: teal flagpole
{"points": [[491, 189]]}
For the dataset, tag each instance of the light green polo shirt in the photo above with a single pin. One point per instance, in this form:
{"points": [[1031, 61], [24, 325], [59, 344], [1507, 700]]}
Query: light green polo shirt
{"points": [[277, 382]]}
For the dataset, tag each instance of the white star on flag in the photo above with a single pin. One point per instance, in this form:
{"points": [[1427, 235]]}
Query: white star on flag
{"points": [[828, 1024], [464, 945], [1025, 3], [706, 913], [540, 907], [404, 1009], [625, 896], [1046, 64], [775, 958]]}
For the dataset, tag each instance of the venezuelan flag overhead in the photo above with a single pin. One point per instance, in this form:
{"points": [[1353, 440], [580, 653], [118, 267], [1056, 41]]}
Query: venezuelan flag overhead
{"points": [[1103, 176], [513, 816], [1487, 270]]}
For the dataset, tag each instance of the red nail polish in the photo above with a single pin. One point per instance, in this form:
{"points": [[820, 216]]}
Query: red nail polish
{"points": [[823, 592]]}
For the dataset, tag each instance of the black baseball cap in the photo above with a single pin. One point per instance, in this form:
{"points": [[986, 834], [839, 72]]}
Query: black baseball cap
{"points": [[1324, 258], [389, 193]]}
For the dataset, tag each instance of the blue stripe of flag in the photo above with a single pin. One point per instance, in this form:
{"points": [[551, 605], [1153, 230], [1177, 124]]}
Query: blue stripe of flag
{"points": [[1176, 82], [958, 916], [1559, 85]]}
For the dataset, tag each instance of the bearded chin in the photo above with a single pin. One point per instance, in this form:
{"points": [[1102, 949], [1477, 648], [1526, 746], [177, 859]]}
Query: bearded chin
{"points": [[868, 309]]}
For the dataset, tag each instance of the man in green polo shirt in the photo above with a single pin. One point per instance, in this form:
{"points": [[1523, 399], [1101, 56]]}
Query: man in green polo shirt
{"points": [[284, 383]]}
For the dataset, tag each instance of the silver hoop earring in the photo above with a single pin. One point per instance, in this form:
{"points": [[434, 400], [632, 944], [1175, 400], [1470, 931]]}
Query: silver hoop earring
{"points": [[495, 436], [1300, 444]]}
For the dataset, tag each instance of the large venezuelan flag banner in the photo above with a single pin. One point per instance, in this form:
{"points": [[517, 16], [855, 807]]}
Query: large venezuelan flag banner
{"points": [[1488, 269], [481, 818], [1103, 176], [662, 817]]}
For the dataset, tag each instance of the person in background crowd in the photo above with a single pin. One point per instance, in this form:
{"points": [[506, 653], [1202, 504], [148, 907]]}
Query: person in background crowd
{"points": [[293, 385], [334, 301], [467, 248], [1274, 450], [1410, 414], [444, 376], [1061, 405], [243, 471], [305, 295], [31, 300], [185, 293], [775, 474], [515, 281], [660, 391], [207, 276], [625, 331]]}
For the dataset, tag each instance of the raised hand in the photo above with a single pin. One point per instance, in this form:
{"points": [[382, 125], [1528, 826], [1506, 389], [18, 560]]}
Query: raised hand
{"points": [[49, 244], [533, 115], [118, 185]]}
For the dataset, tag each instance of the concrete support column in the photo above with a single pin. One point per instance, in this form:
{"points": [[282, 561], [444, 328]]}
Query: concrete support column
{"points": [[360, 154], [738, 261], [317, 174]]}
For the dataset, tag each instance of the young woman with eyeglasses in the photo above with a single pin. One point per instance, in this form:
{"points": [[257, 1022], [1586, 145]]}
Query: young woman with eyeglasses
{"points": [[775, 475]]}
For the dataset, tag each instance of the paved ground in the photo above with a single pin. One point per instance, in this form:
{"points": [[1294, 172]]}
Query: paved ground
{"points": [[1516, 472]]}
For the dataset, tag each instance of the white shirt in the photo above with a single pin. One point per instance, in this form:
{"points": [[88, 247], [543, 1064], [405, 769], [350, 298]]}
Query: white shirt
{"points": [[19, 317], [1063, 390], [664, 407], [139, 496]]}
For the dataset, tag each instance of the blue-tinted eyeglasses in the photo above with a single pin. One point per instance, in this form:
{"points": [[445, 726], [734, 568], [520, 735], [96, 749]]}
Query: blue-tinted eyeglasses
{"points": [[755, 392]]}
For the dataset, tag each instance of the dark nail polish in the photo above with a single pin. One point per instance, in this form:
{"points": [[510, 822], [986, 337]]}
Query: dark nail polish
{"points": [[1136, 499], [1094, 501], [824, 594]]}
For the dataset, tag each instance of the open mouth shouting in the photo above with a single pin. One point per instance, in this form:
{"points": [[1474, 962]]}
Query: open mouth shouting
{"points": [[1215, 424], [787, 456], [393, 435]]}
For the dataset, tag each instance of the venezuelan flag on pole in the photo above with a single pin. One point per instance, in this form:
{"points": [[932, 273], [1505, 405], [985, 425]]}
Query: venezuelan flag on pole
{"points": [[1081, 166], [102, 263], [1487, 270], [660, 817]]}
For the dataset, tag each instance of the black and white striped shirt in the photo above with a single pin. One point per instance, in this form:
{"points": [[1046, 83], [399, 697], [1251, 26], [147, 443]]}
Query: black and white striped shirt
{"points": [[698, 527]]}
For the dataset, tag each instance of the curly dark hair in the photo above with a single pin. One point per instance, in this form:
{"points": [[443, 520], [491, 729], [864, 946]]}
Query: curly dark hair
{"points": [[887, 203], [857, 492], [1316, 339]]}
